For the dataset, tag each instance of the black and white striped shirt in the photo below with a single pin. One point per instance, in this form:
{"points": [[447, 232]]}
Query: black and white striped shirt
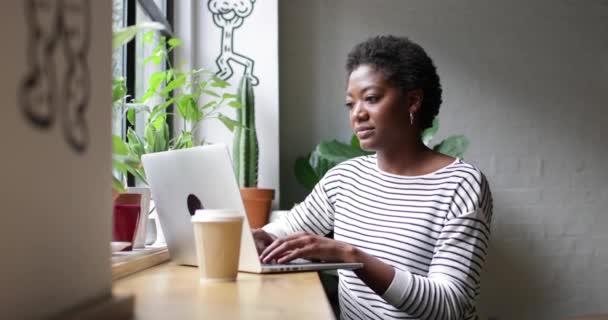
{"points": [[433, 229]]}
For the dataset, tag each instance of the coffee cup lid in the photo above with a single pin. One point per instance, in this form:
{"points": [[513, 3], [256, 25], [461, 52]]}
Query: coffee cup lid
{"points": [[206, 215]]}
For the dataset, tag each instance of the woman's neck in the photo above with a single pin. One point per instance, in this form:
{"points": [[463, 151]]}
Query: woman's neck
{"points": [[409, 159]]}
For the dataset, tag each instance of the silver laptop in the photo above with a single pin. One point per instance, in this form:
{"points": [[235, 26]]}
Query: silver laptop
{"points": [[183, 181]]}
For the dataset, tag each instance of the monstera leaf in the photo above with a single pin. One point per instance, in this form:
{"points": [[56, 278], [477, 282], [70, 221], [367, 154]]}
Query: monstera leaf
{"points": [[454, 146], [309, 170], [305, 174], [429, 133]]}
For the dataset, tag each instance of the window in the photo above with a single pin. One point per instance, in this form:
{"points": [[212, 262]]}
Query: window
{"points": [[128, 61], [119, 20]]}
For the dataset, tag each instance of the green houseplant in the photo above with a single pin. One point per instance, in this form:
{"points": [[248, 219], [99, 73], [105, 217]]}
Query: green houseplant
{"points": [[178, 88], [327, 154], [120, 38], [246, 153]]}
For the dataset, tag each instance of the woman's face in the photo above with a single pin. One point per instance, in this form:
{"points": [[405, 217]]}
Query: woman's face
{"points": [[379, 113]]}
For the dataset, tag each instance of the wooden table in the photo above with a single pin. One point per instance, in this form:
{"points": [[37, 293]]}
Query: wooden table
{"points": [[169, 291]]}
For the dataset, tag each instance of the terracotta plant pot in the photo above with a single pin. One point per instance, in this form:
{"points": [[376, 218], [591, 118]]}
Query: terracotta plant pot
{"points": [[257, 205]]}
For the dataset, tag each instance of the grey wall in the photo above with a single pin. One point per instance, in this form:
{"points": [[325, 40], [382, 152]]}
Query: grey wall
{"points": [[527, 82]]}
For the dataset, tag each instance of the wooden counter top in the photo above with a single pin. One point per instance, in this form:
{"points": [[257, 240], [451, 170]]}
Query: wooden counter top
{"points": [[170, 291]]}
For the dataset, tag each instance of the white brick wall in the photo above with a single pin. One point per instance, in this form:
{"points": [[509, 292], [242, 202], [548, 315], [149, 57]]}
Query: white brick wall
{"points": [[527, 82]]}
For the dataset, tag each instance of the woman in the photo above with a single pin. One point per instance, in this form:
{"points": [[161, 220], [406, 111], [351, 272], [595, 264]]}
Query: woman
{"points": [[418, 220]]}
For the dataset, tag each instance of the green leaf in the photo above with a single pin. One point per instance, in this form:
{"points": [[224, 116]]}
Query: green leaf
{"points": [[162, 138], [187, 108], [119, 89], [129, 165], [159, 49], [354, 142], [211, 93], [123, 36], [454, 146], [160, 109], [173, 84], [156, 135], [135, 143], [156, 79], [119, 164], [429, 133], [174, 42], [150, 135], [123, 163], [184, 141], [229, 96], [209, 104], [329, 153], [319, 164], [131, 116], [148, 37], [219, 83], [157, 55], [235, 104], [305, 174], [159, 121], [170, 74], [119, 146], [229, 123], [141, 175], [337, 152], [155, 58], [117, 185]]}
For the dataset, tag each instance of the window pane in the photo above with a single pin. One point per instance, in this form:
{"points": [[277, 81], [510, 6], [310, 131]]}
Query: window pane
{"points": [[119, 18], [144, 72]]}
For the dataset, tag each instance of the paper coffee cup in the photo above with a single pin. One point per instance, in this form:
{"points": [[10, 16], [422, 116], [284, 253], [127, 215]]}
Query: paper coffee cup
{"points": [[217, 234]]}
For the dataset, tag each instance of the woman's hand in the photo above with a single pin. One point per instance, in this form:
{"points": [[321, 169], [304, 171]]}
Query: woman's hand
{"points": [[262, 239], [308, 246]]}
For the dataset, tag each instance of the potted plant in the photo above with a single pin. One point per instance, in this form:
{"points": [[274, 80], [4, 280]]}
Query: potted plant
{"points": [[145, 225], [181, 89], [178, 88], [310, 169], [120, 38], [245, 152]]}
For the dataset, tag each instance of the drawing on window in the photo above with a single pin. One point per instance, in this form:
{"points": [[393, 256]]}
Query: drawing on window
{"points": [[57, 83], [229, 16]]}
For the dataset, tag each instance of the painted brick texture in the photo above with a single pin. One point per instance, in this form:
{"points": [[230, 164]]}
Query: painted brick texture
{"points": [[527, 82]]}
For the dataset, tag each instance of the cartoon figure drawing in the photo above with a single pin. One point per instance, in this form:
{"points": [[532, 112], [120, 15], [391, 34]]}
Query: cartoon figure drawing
{"points": [[230, 15], [58, 28]]}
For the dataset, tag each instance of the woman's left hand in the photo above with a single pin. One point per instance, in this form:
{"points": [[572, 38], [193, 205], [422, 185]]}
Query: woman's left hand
{"points": [[307, 246]]}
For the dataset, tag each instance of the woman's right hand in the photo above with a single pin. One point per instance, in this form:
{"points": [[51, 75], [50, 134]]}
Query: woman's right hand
{"points": [[262, 239]]}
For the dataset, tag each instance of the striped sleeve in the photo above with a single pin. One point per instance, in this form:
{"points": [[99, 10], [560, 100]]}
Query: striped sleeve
{"points": [[314, 215], [452, 283]]}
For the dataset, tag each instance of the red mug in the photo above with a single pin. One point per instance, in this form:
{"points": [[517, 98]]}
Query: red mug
{"points": [[126, 218]]}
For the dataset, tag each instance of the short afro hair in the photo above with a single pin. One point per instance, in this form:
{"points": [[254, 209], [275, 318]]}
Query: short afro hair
{"points": [[404, 64]]}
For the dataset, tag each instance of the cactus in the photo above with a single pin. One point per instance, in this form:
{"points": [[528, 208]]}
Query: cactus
{"points": [[246, 150]]}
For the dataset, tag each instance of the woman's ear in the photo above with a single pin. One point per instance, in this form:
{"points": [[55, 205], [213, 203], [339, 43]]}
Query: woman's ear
{"points": [[414, 100]]}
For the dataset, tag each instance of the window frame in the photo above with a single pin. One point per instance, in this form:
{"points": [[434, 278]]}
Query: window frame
{"points": [[130, 59]]}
